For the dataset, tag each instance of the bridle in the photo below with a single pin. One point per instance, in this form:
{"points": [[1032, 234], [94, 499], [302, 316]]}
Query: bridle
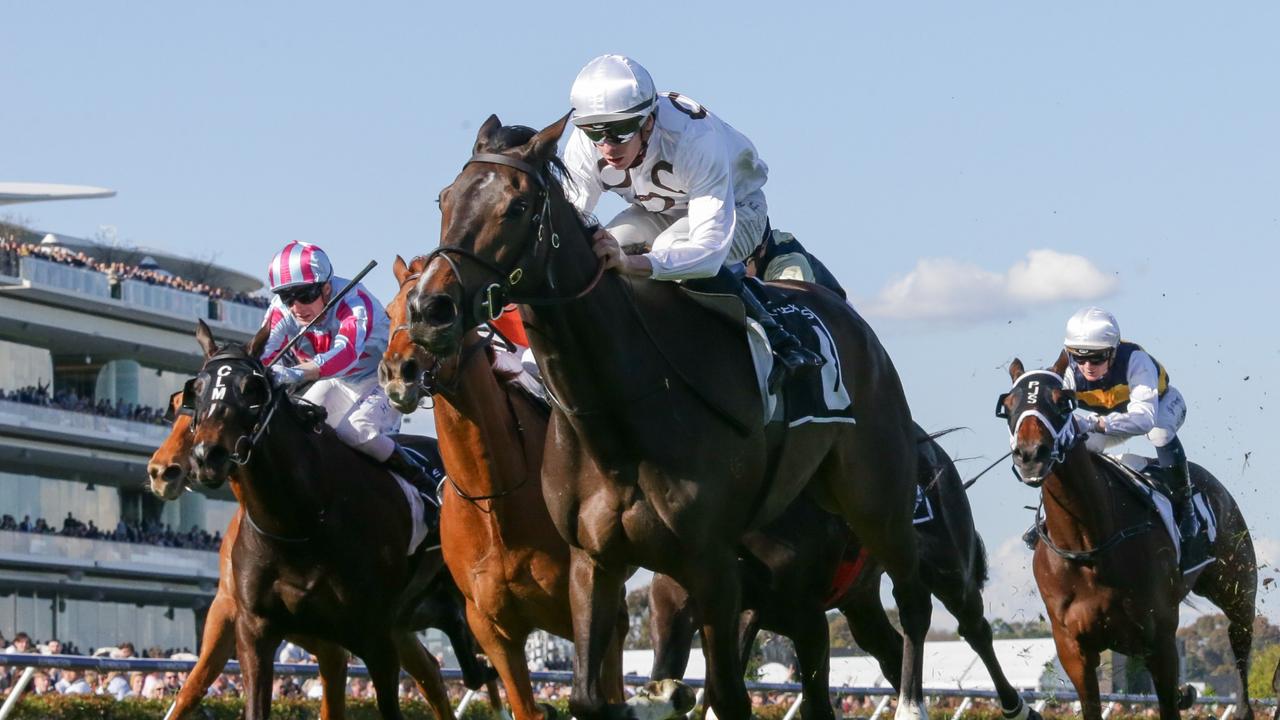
{"points": [[262, 413], [496, 295], [1034, 402]]}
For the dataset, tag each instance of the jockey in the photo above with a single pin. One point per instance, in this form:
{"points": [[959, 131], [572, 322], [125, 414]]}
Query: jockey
{"points": [[694, 184], [339, 355], [1122, 392]]}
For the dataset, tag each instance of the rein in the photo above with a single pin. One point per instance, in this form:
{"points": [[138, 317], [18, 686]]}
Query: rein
{"points": [[1087, 556]]}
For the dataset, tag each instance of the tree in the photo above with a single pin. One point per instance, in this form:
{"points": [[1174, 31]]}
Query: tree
{"points": [[1207, 649], [1262, 670]]}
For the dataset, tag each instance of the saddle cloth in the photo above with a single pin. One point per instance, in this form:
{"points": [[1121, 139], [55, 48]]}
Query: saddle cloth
{"points": [[812, 396], [1133, 468], [417, 513]]}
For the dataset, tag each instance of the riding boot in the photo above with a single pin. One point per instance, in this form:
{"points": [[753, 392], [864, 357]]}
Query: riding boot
{"points": [[1177, 480], [789, 355], [410, 466]]}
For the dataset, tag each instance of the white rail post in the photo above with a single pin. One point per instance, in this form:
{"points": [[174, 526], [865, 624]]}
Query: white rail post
{"points": [[1106, 711], [16, 692], [964, 705], [466, 700], [795, 707], [1227, 713], [880, 708]]}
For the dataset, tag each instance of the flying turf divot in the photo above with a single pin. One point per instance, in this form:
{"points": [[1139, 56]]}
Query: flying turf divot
{"points": [[662, 699]]}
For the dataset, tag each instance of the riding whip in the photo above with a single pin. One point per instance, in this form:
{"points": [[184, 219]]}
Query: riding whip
{"points": [[324, 311]]}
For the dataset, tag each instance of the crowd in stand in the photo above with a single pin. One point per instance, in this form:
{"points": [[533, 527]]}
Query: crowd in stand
{"points": [[147, 533], [69, 400], [12, 251]]}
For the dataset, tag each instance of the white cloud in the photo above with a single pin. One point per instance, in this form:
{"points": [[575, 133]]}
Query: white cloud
{"points": [[1011, 592], [950, 289]]}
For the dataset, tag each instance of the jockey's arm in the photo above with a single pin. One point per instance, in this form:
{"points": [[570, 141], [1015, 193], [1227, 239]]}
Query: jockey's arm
{"points": [[704, 169], [355, 325], [1140, 415]]}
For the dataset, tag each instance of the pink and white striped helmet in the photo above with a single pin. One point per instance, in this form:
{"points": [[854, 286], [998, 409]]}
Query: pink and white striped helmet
{"points": [[299, 263]]}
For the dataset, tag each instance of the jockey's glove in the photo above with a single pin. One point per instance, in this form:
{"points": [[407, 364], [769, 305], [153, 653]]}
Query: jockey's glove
{"points": [[287, 375]]}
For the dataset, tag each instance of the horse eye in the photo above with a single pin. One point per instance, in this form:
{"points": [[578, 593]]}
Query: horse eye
{"points": [[518, 208]]}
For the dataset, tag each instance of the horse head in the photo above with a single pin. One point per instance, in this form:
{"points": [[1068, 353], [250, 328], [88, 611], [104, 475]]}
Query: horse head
{"points": [[501, 222], [170, 465], [231, 401], [1038, 411], [403, 363]]}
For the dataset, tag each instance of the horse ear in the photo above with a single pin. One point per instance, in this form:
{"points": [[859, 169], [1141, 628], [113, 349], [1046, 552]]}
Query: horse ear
{"points": [[1060, 366], [543, 145], [400, 269], [204, 336], [1016, 369], [259, 341], [490, 126]]}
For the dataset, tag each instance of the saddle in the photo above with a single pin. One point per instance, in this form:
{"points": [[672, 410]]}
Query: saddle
{"points": [[806, 397], [1143, 475]]}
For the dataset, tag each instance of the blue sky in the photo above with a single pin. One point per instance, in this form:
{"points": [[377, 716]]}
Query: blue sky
{"points": [[924, 151]]}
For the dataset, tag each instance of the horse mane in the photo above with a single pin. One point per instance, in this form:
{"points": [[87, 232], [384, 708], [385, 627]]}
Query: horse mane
{"points": [[554, 172]]}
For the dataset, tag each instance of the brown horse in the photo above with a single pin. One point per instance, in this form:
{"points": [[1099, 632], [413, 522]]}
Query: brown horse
{"points": [[324, 542], [1107, 570], [498, 539], [170, 476], [658, 454], [790, 571]]}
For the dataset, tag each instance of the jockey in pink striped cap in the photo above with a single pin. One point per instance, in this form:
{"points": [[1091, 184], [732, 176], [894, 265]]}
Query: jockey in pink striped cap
{"points": [[339, 355]]}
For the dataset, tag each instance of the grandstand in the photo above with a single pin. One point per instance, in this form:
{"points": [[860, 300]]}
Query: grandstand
{"points": [[93, 340]]}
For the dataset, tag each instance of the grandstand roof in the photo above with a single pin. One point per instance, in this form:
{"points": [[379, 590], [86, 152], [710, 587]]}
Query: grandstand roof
{"points": [[12, 193]]}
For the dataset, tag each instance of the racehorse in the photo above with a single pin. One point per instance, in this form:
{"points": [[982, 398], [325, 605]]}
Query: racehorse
{"points": [[325, 538], [169, 474], [498, 540], [1107, 570], [806, 562], [657, 453]]}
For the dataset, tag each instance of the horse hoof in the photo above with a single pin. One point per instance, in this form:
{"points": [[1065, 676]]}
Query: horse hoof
{"points": [[1033, 715], [1187, 697], [662, 699]]}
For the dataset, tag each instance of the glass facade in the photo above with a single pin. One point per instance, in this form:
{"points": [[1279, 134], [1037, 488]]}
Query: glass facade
{"points": [[93, 624]]}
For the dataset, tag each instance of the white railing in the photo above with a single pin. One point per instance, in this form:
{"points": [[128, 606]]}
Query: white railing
{"points": [[24, 414], [167, 300], [242, 317], [111, 554], [64, 277]]}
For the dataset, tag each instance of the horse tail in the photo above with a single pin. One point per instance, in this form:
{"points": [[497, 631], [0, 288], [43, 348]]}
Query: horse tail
{"points": [[939, 433]]}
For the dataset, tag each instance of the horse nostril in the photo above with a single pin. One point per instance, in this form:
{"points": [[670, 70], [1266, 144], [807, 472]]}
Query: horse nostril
{"points": [[409, 370], [439, 310], [172, 473]]}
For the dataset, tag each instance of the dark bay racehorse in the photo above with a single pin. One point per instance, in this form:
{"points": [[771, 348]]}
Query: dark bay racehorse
{"points": [[498, 539], [789, 572], [1106, 568], [323, 547], [169, 470], [657, 453]]}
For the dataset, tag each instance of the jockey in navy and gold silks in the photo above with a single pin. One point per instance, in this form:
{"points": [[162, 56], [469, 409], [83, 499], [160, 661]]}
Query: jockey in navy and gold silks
{"points": [[1123, 392]]}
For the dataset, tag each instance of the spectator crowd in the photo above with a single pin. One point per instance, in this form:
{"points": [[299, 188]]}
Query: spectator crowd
{"points": [[70, 401], [12, 251], [146, 533]]}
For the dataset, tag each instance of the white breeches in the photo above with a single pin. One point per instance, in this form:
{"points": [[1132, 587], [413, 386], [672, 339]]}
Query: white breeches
{"points": [[358, 410], [637, 226]]}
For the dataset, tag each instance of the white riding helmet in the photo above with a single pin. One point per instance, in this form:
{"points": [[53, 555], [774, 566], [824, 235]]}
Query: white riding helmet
{"points": [[1092, 328], [611, 88], [299, 263]]}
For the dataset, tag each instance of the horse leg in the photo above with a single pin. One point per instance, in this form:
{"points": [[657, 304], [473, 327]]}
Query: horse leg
{"points": [[595, 592], [1082, 667], [615, 689], [873, 632], [966, 606], [383, 661], [813, 657], [671, 628], [878, 508], [425, 672], [1162, 663], [717, 590], [505, 648], [332, 660], [257, 646], [217, 645], [1231, 584]]}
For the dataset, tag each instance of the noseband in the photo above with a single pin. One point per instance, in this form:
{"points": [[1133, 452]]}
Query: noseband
{"points": [[496, 295], [1034, 402]]}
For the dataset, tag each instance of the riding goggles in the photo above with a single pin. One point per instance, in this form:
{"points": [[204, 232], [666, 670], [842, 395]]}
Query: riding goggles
{"points": [[304, 294], [617, 133], [1096, 357]]}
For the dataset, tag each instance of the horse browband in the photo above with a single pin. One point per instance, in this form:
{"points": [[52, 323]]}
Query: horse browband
{"points": [[522, 166]]}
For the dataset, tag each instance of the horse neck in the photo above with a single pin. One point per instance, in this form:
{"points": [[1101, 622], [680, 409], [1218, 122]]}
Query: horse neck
{"points": [[480, 436], [1078, 505], [586, 348], [278, 487]]}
